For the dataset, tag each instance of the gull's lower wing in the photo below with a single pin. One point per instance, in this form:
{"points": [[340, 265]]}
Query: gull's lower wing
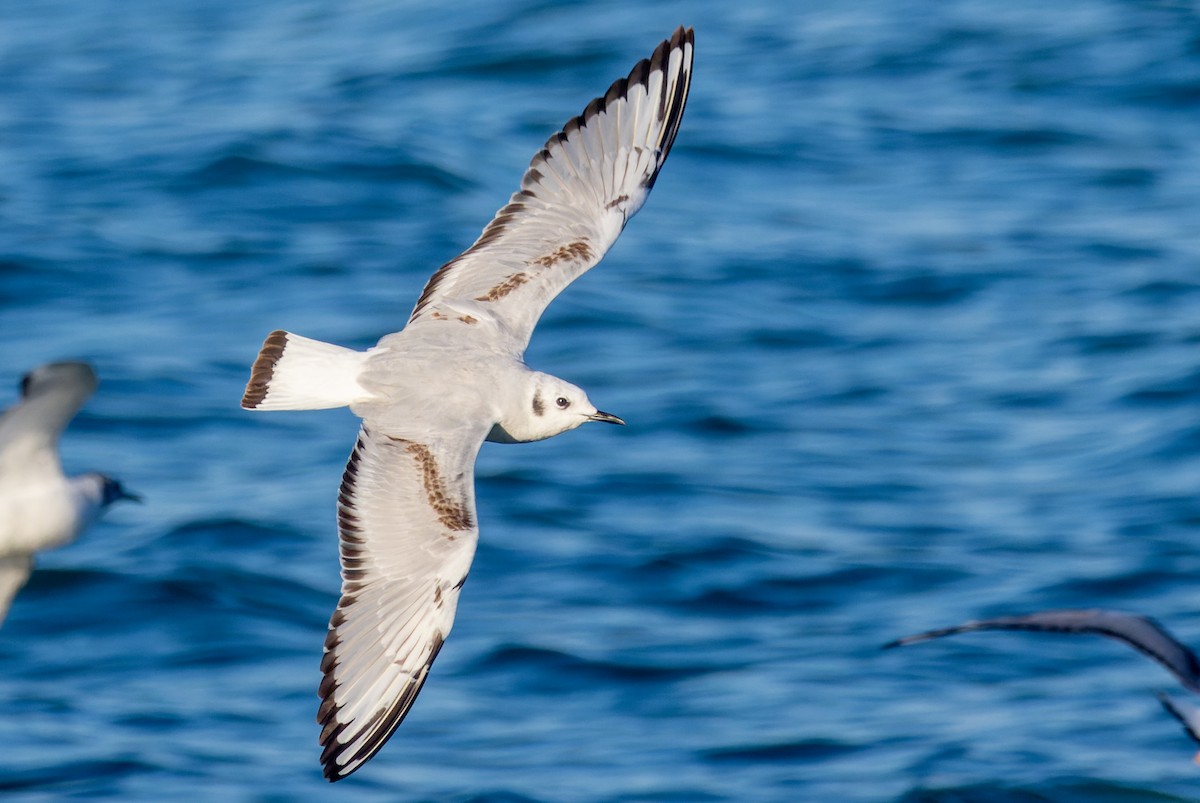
{"points": [[14, 572], [1140, 632], [407, 532], [575, 198]]}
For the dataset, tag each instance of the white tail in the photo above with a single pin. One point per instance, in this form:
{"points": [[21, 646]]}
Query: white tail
{"points": [[298, 373]]}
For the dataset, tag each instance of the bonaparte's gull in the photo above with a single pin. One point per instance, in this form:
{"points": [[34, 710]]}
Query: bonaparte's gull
{"points": [[1140, 632], [40, 507], [430, 395]]}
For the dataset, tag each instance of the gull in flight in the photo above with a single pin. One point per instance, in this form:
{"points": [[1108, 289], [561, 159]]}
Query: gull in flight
{"points": [[1140, 632], [455, 376], [40, 507]]}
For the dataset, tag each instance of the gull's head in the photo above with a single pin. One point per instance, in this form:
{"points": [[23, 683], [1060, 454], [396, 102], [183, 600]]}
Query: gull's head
{"points": [[547, 407], [102, 490]]}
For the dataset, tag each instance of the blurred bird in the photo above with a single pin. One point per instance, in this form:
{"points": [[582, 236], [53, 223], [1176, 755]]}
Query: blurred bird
{"points": [[430, 395], [40, 507], [1140, 632]]}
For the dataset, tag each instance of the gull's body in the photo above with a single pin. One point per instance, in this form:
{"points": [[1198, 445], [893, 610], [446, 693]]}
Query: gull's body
{"points": [[40, 507], [455, 376], [1142, 633]]}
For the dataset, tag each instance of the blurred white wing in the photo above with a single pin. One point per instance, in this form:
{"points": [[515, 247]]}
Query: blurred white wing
{"points": [[575, 199], [29, 431], [406, 522]]}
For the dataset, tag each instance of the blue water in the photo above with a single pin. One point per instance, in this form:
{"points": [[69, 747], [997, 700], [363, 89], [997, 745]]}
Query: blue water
{"points": [[908, 333]]}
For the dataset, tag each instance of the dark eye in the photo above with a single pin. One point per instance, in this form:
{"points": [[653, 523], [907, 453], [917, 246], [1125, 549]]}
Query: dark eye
{"points": [[563, 402]]}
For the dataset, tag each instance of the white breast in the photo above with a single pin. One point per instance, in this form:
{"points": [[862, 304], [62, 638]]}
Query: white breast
{"points": [[43, 515]]}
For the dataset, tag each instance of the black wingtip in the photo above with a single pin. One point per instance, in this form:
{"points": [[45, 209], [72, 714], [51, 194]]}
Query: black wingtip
{"points": [[658, 61]]}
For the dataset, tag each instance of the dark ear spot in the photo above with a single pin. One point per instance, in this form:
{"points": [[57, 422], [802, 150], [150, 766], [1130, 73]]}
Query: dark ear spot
{"points": [[538, 407]]}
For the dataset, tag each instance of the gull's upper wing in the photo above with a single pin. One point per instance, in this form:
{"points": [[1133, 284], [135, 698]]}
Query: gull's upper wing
{"points": [[406, 521], [575, 198], [1140, 632], [50, 397]]}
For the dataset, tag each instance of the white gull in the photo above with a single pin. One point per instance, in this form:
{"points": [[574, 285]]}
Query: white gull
{"points": [[40, 507], [455, 376]]}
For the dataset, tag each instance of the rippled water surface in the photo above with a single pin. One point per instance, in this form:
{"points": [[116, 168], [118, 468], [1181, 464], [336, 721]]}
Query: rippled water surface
{"points": [[908, 333]]}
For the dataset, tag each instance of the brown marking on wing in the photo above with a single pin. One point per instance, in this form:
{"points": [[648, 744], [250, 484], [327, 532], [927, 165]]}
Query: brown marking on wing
{"points": [[492, 232], [437, 316], [264, 369], [615, 202], [580, 251], [505, 287], [452, 513], [468, 319]]}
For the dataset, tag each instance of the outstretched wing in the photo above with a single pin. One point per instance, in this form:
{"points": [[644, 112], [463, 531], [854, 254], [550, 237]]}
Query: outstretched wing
{"points": [[407, 531], [29, 431], [1141, 632], [575, 198]]}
